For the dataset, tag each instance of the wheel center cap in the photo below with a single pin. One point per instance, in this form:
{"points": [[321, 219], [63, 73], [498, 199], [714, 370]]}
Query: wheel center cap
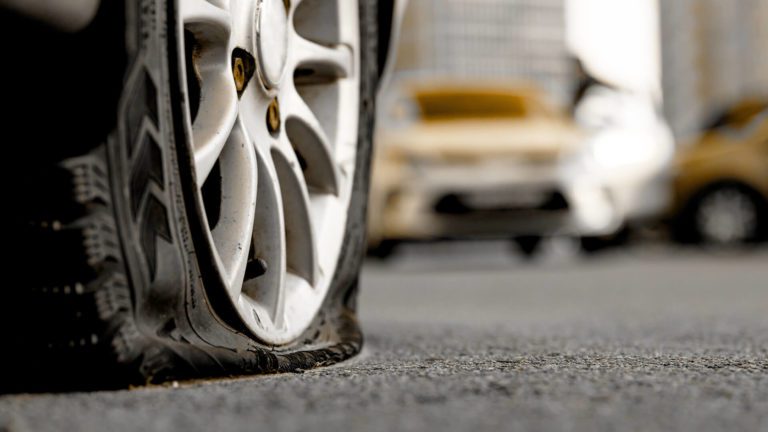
{"points": [[272, 40]]}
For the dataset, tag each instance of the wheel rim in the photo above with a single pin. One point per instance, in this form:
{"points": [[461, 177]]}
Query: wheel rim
{"points": [[726, 216], [269, 85]]}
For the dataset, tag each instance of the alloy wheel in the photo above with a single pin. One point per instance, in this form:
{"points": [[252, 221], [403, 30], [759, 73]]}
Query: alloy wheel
{"points": [[727, 216], [272, 97]]}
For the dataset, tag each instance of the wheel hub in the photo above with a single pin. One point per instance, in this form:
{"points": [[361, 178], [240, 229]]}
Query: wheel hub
{"points": [[727, 216], [272, 40]]}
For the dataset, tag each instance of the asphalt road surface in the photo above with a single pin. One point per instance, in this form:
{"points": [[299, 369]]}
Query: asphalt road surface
{"points": [[468, 337]]}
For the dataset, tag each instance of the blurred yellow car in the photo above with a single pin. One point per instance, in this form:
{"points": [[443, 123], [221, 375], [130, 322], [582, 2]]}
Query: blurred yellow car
{"points": [[481, 160], [721, 186]]}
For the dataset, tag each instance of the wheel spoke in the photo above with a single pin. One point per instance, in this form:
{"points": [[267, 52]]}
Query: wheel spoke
{"points": [[241, 12], [301, 248], [211, 93], [268, 245], [203, 11], [320, 61], [212, 129], [310, 143], [264, 293], [237, 194]]}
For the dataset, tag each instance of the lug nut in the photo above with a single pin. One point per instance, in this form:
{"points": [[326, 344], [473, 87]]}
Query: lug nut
{"points": [[243, 67], [273, 117], [238, 71]]}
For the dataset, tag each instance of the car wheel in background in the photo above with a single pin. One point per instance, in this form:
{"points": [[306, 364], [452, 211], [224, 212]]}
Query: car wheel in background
{"points": [[205, 213], [384, 249], [728, 215], [591, 245], [528, 245]]}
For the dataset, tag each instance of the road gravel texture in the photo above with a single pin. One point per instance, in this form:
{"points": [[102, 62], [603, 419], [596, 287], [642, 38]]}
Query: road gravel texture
{"points": [[466, 337]]}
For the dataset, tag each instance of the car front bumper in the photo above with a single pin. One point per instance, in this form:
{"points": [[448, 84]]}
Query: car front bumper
{"points": [[495, 200]]}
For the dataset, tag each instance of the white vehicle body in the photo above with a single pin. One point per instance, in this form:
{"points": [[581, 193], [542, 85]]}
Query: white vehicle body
{"points": [[621, 175], [537, 176]]}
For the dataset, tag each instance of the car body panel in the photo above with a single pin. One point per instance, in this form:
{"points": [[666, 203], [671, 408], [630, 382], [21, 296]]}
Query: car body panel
{"points": [[724, 155], [499, 165], [540, 139], [493, 159]]}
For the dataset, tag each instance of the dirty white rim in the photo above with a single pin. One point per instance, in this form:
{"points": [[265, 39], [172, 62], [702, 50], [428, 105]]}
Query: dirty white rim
{"points": [[276, 198], [726, 216]]}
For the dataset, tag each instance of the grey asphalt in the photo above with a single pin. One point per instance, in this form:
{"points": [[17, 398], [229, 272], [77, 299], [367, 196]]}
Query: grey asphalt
{"points": [[467, 337]]}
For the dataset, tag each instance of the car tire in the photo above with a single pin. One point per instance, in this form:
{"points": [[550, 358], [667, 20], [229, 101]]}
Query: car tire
{"points": [[528, 246], [384, 250], [115, 273], [592, 245], [728, 215]]}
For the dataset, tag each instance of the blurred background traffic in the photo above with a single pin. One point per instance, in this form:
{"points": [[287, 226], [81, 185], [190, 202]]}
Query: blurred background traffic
{"points": [[596, 121]]}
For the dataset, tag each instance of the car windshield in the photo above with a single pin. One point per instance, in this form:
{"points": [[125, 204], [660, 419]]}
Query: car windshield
{"points": [[745, 131], [454, 105], [737, 116]]}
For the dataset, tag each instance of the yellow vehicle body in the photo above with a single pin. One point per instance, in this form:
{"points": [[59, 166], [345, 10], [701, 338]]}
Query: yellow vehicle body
{"points": [[496, 146], [734, 153]]}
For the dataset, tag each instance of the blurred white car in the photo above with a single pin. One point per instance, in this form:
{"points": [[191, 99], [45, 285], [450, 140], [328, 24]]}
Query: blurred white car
{"points": [[622, 174], [493, 160]]}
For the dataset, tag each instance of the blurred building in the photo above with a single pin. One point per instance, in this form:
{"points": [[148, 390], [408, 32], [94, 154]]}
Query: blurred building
{"points": [[713, 53], [520, 39]]}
